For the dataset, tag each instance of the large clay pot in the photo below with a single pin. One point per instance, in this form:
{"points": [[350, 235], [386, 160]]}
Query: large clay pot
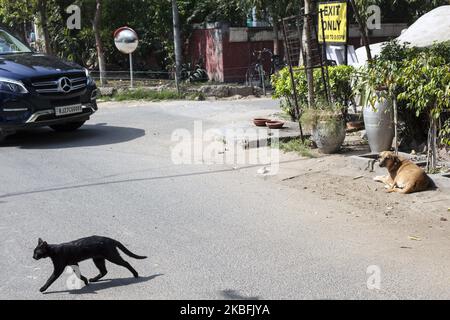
{"points": [[379, 125], [329, 138]]}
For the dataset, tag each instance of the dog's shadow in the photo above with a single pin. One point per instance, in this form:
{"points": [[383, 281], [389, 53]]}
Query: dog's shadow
{"points": [[93, 288]]}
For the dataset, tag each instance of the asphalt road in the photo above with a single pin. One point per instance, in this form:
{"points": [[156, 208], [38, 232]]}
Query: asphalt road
{"points": [[210, 231]]}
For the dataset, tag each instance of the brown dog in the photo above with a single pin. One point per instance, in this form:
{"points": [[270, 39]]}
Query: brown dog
{"points": [[404, 175]]}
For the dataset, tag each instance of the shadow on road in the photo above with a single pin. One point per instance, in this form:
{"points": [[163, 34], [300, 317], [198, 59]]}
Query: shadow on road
{"points": [[235, 295], [96, 184], [87, 136], [93, 288]]}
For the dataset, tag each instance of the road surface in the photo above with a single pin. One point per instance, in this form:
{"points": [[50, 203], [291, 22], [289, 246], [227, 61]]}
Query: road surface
{"points": [[210, 231]]}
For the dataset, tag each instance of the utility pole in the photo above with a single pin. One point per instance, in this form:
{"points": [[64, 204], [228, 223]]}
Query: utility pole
{"points": [[308, 52], [177, 43]]}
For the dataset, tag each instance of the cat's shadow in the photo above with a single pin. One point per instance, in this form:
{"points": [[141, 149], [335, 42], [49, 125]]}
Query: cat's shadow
{"points": [[93, 288]]}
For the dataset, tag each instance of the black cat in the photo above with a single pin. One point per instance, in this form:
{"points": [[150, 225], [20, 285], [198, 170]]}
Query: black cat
{"points": [[70, 254]]}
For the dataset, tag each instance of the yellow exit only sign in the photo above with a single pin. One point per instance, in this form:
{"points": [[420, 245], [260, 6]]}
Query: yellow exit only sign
{"points": [[334, 23]]}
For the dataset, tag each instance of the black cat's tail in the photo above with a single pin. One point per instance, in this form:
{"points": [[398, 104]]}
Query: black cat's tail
{"points": [[128, 252]]}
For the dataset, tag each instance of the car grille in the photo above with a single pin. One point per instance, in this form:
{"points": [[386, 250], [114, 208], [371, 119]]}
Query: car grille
{"points": [[65, 102], [51, 85]]}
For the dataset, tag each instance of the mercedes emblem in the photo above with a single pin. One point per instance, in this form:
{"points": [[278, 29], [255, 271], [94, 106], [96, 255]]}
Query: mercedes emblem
{"points": [[65, 85]]}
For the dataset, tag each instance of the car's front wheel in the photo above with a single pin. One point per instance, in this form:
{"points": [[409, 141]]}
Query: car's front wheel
{"points": [[67, 127]]}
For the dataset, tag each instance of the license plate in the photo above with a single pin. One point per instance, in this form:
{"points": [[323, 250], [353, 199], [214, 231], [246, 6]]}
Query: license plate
{"points": [[62, 111]]}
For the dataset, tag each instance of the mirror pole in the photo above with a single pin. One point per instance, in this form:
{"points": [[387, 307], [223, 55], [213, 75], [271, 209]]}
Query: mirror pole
{"points": [[131, 72]]}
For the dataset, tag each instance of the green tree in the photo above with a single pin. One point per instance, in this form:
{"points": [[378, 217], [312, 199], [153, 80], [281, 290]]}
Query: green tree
{"points": [[15, 14], [276, 10], [425, 79]]}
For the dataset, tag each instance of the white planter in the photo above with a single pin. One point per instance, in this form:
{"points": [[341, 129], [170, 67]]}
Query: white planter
{"points": [[379, 125]]}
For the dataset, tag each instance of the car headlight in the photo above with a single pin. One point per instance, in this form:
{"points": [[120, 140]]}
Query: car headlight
{"points": [[88, 76], [13, 86]]}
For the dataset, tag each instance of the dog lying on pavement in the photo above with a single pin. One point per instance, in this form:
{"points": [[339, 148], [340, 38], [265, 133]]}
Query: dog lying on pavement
{"points": [[404, 175]]}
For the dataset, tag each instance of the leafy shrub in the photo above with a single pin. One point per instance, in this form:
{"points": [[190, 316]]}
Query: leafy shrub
{"points": [[282, 84], [382, 75], [425, 80], [340, 83], [444, 134], [340, 86], [379, 79], [332, 117]]}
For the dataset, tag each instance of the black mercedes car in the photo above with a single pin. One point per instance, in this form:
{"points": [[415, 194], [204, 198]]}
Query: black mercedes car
{"points": [[39, 90]]}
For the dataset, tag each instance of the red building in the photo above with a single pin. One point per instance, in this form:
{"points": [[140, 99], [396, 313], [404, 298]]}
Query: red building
{"points": [[227, 52]]}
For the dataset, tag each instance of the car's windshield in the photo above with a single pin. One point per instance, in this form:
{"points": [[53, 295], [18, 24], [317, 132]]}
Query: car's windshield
{"points": [[9, 44]]}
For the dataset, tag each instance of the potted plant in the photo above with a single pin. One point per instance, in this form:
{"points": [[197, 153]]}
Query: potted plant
{"points": [[327, 118], [327, 125], [379, 121], [377, 85], [340, 78]]}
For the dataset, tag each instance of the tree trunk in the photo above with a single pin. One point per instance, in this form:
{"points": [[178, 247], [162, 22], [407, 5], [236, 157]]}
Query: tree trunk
{"points": [[307, 43], [177, 42], [432, 144], [98, 42], [24, 32], [62, 12], [362, 30], [276, 40], [394, 100], [42, 8]]}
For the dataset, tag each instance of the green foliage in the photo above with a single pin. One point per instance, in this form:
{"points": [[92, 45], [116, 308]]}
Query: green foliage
{"points": [[330, 116], [441, 50], [418, 78], [144, 94], [414, 9], [426, 83], [379, 80], [362, 6], [275, 9], [302, 148], [152, 20], [340, 83], [340, 86], [444, 134], [283, 89], [15, 13], [399, 11], [199, 11], [153, 95]]}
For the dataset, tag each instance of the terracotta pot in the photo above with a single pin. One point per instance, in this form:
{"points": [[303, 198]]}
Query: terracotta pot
{"points": [[260, 122], [275, 124]]}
